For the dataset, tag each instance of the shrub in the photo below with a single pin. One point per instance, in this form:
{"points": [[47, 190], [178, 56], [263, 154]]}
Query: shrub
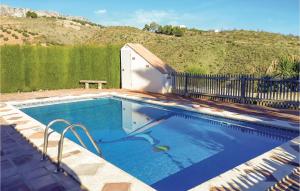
{"points": [[288, 66], [1, 35], [12, 69], [8, 32], [196, 69], [168, 29], [18, 30], [25, 34], [82, 22], [5, 39], [177, 31], [62, 18], [27, 68], [31, 14]]}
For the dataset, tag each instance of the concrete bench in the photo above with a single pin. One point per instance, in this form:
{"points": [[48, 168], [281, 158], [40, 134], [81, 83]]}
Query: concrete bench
{"points": [[87, 82]]}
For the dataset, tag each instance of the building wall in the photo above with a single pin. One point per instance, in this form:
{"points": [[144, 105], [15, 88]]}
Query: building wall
{"points": [[143, 75]]}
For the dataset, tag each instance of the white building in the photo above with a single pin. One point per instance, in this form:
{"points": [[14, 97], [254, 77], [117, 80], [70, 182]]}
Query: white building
{"points": [[141, 70]]}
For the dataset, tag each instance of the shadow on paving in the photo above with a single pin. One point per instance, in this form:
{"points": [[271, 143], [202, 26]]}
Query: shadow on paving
{"points": [[250, 178], [23, 169], [290, 182]]}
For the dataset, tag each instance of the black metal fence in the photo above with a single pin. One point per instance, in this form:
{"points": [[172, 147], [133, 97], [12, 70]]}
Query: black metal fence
{"points": [[283, 93]]}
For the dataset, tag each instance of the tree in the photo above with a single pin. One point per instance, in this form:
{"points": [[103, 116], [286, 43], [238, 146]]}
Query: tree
{"points": [[164, 30], [160, 30], [146, 27], [168, 29], [153, 27], [177, 31], [31, 14]]}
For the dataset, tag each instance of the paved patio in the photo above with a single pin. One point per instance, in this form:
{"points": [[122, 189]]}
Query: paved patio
{"points": [[21, 168]]}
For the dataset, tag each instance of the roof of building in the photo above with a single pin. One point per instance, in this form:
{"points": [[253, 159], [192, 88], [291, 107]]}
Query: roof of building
{"points": [[151, 58]]}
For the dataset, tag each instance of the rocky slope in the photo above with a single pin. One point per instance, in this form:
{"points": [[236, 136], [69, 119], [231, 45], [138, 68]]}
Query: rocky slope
{"points": [[6, 10]]}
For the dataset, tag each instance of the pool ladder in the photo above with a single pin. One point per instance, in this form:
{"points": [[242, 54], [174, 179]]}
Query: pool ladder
{"points": [[61, 140]]}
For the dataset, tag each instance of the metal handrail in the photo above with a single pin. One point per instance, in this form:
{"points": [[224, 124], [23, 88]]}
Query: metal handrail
{"points": [[46, 135], [61, 142]]}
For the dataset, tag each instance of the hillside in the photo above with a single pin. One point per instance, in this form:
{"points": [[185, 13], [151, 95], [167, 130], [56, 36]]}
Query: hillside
{"points": [[247, 52]]}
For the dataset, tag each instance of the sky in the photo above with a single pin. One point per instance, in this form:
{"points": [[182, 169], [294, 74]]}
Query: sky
{"points": [[279, 16]]}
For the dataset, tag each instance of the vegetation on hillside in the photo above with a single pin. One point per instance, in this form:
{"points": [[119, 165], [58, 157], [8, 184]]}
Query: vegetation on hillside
{"points": [[31, 14], [167, 29], [288, 67], [29, 68], [82, 22], [11, 35], [207, 52]]}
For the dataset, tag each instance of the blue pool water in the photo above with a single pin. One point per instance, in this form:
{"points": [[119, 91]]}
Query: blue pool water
{"points": [[166, 148]]}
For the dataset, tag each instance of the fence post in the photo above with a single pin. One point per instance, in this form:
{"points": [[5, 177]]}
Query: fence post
{"points": [[243, 88], [173, 87], [186, 85]]}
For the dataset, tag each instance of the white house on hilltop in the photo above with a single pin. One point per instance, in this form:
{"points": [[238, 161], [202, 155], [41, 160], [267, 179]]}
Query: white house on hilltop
{"points": [[141, 70]]}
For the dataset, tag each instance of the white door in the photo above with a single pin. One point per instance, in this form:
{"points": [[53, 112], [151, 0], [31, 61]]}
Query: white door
{"points": [[126, 69]]}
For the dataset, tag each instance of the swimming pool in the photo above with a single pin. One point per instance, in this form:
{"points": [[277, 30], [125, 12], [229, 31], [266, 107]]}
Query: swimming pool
{"points": [[169, 149]]}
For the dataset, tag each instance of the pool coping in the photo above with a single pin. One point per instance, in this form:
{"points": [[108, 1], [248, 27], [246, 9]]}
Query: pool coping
{"points": [[107, 171]]}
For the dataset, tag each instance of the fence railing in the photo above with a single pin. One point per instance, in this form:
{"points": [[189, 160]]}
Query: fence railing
{"points": [[283, 93]]}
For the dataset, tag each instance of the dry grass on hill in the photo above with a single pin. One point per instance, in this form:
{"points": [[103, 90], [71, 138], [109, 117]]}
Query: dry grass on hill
{"points": [[233, 52]]}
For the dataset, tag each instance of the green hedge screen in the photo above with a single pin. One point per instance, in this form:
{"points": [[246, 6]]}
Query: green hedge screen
{"points": [[30, 68]]}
